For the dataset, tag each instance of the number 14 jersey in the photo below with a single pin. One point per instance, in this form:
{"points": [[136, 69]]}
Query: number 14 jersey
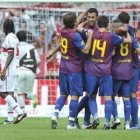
{"points": [[99, 60], [10, 45]]}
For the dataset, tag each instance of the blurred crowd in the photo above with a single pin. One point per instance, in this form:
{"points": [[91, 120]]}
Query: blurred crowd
{"points": [[41, 33]]}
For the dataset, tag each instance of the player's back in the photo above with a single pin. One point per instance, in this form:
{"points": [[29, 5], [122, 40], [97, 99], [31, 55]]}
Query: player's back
{"points": [[11, 45], [27, 56], [70, 59], [99, 61], [122, 64]]}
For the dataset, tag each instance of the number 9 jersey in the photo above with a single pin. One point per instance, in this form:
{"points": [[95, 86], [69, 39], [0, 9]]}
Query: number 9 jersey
{"points": [[10, 45], [71, 46]]}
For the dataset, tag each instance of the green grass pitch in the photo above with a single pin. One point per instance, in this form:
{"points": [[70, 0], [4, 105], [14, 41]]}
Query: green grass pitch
{"points": [[40, 129]]}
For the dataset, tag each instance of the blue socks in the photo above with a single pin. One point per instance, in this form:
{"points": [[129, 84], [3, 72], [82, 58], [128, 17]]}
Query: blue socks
{"points": [[73, 107], [83, 103], [134, 110], [114, 110], [59, 105], [108, 111], [93, 107], [87, 115], [127, 110]]}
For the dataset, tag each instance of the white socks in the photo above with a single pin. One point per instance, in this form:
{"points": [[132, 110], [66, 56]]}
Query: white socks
{"points": [[9, 99]]}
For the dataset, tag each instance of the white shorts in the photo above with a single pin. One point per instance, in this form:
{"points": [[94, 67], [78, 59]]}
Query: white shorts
{"points": [[25, 82], [9, 84]]}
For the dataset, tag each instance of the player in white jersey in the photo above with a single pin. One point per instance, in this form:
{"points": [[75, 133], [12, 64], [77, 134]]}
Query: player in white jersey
{"points": [[29, 61], [10, 71]]}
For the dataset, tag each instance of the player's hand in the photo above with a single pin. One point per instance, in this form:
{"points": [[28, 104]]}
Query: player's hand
{"points": [[3, 75], [90, 33], [48, 56]]}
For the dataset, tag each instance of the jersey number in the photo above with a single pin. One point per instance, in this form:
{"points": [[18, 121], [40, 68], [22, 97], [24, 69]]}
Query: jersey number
{"points": [[64, 45], [124, 50], [96, 45]]}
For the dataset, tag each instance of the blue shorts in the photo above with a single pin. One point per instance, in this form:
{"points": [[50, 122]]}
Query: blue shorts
{"points": [[71, 84], [135, 80], [122, 87], [93, 83]]}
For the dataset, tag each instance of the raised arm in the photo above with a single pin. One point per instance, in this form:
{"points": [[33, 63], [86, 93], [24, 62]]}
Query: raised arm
{"points": [[79, 18]]}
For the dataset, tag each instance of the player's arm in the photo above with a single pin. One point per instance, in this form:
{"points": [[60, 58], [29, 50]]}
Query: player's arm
{"points": [[80, 28], [121, 29], [51, 53], [128, 38], [78, 41], [117, 40], [135, 45], [8, 61], [80, 18], [37, 57]]}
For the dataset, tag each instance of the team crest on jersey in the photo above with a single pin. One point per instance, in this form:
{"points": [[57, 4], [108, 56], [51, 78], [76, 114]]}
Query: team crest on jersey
{"points": [[85, 30], [82, 42], [119, 36]]}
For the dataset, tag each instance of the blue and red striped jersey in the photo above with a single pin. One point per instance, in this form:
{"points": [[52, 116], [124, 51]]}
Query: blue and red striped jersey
{"points": [[86, 26], [71, 45], [135, 55], [99, 60], [122, 64]]}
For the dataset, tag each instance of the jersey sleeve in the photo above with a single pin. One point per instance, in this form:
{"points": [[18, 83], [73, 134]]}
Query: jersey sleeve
{"points": [[78, 41], [116, 39], [84, 32], [134, 43], [11, 45]]}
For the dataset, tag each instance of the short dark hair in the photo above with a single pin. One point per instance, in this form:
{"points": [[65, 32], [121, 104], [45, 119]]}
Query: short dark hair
{"points": [[21, 35], [93, 10], [102, 21], [124, 17], [117, 23], [8, 26], [69, 20]]}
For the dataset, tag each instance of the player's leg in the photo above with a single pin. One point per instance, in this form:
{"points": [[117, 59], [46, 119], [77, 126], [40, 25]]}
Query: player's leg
{"points": [[116, 87], [10, 117], [76, 90], [9, 84], [92, 84], [134, 102], [84, 104], [29, 83], [125, 93], [106, 90], [73, 108], [63, 84], [21, 88]]}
